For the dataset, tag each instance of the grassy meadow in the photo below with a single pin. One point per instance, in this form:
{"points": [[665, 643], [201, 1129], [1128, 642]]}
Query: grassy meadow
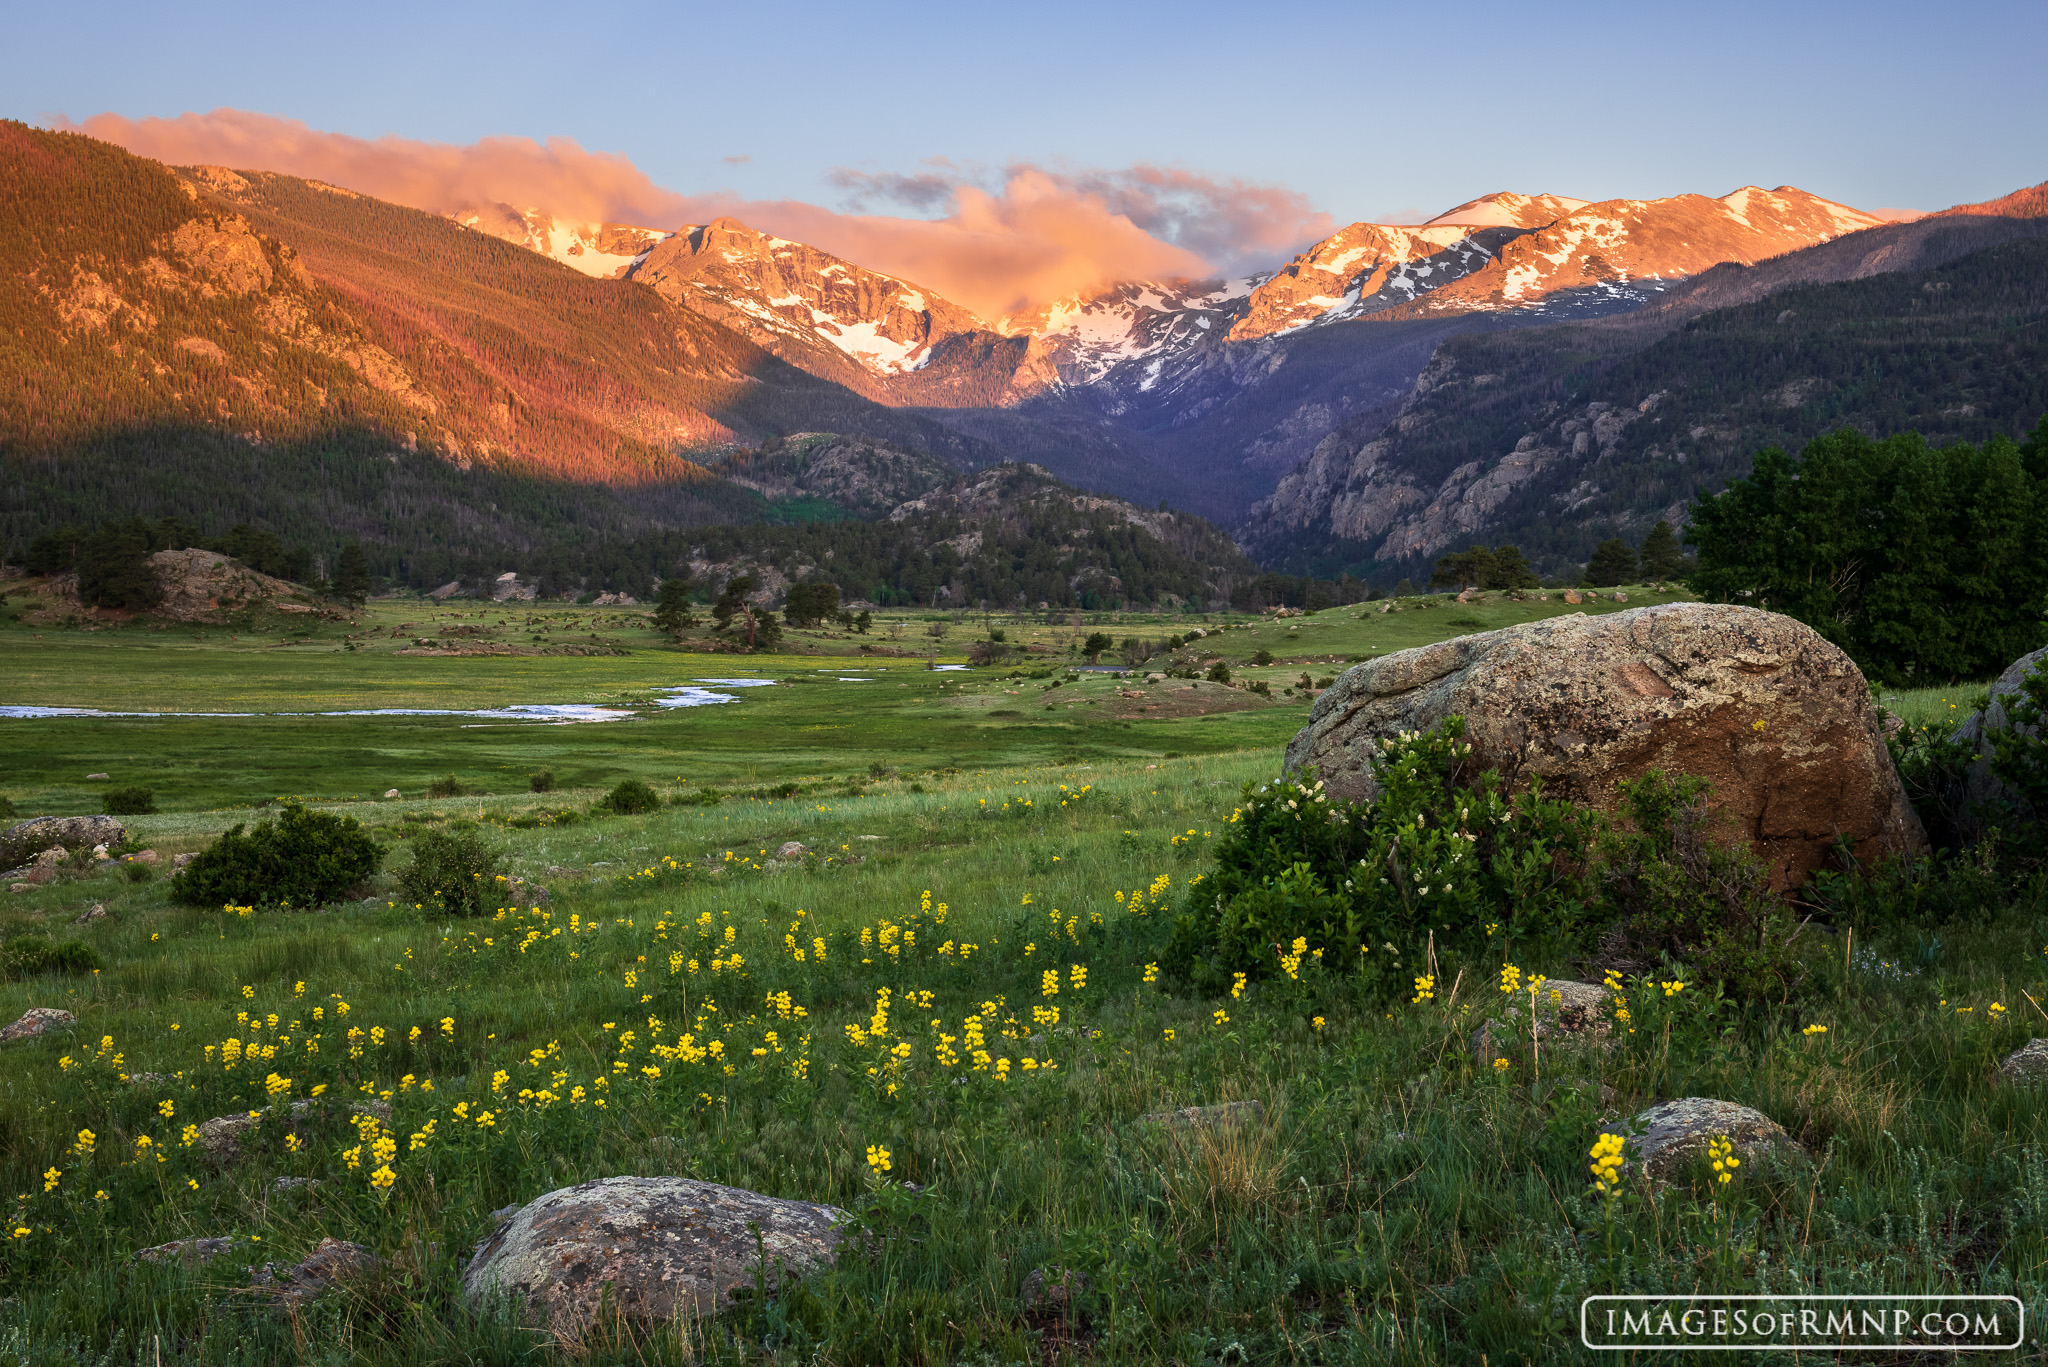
{"points": [[943, 1018]]}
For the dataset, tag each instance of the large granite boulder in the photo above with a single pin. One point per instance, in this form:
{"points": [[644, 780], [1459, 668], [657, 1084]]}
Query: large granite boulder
{"points": [[1779, 720], [662, 1247], [25, 840]]}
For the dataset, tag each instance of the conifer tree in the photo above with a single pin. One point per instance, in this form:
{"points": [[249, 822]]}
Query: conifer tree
{"points": [[1613, 563], [1662, 558], [351, 583]]}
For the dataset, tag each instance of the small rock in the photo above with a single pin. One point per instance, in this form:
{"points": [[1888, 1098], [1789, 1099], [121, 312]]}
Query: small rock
{"points": [[188, 1251], [391, 792], [90, 777], [648, 1249], [1207, 1117], [147, 1079], [2028, 1063], [221, 1136], [791, 849], [38, 1020], [284, 1184], [96, 912], [1620, 597], [1574, 596], [331, 1261], [21, 887], [1468, 596], [179, 861], [1051, 1290], [504, 1213], [143, 857], [1670, 1135], [1566, 1013]]}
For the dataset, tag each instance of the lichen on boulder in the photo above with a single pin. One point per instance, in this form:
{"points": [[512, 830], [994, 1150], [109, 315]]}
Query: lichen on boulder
{"points": [[646, 1249], [1779, 721]]}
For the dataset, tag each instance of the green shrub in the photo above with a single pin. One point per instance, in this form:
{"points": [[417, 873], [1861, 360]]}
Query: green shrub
{"points": [[1674, 896], [302, 858], [700, 797], [1263, 657], [445, 787], [452, 874], [629, 798], [1219, 673], [128, 801], [27, 955], [137, 873], [1439, 850], [542, 782]]}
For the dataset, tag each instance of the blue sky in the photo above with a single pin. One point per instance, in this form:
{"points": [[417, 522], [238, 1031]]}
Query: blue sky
{"points": [[1367, 110]]}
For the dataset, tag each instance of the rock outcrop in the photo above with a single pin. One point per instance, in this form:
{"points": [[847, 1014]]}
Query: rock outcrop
{"points": [[1669, 1136], [648, 1249], [25, 840], [332, 1262], [1776, 718]]}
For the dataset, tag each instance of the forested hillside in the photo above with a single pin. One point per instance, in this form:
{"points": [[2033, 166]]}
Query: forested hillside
{"points": [[1555, 438], [230, 349]]}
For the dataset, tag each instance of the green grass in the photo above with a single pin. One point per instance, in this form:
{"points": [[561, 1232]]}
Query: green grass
{"points": [[1395, 1204]]}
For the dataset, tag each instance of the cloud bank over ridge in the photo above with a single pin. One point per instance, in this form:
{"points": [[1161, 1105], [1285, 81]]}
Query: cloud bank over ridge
{"points": [[996, 244]]}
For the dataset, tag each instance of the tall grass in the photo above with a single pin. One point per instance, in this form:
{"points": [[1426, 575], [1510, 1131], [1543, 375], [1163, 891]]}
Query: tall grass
{"points": [[1388, 1201]]}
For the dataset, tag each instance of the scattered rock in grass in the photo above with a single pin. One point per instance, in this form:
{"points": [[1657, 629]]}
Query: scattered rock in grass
{"points": [[1779, 720], [1051, 1290], [1574, 596], [96, 912], [649, 1249], [1207, 1117], [1670, 1135], [90, 777], [24, 839], [792, 849], [179, 861], [146, 1079], [221, 1136], [289, 1184], [38, 1020], [191, 1252], [21, 887], [1567, 1013], [391, 792], [143, 857], [1620, 597], [331, 1262], [2028, 1063]]}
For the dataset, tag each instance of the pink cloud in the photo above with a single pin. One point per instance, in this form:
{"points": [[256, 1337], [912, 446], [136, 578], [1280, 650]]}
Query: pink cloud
{"points": [[1034, 236]]}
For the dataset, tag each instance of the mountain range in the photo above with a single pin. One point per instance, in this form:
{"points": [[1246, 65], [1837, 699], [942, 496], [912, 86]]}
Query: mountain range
{"points": [[239, 344]]}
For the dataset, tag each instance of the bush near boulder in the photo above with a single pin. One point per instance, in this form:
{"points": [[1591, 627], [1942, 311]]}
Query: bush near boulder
{"points": [[1440, 849], [128, 801], [451, 873], [303, 858], [450, 786], [630, 798]]}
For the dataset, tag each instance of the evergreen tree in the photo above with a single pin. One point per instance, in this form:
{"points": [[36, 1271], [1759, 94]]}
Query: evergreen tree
{"points": [[1662, 558], [55, 551], [732, 600], [351, 582], [114, 569], [1465, 568], [1613, 563], [1510, 570], [672, 607]]}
